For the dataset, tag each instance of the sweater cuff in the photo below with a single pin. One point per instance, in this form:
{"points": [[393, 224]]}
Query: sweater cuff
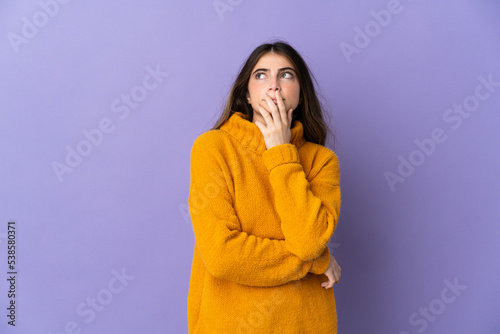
{"points": [[320, 264], [280, 154]]}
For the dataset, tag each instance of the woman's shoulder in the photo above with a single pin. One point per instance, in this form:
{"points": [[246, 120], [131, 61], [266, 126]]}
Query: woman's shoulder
{"points": [[210, 140]]}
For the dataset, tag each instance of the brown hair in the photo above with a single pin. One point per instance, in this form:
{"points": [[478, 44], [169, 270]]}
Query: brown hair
{"points": [[309, 112]]}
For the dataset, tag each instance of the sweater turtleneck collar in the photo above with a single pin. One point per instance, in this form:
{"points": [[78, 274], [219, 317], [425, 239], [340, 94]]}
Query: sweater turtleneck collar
{"points": [[249, 134]]}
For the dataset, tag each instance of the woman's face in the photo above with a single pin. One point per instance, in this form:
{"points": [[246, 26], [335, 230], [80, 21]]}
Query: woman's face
{"points": [[271, 73]]}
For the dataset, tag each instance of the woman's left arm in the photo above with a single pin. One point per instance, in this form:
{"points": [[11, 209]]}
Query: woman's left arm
{"points": [[309, 210]]}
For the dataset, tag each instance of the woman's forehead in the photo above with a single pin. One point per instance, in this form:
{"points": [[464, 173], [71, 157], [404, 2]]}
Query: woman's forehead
{"points": [[273, 60]]}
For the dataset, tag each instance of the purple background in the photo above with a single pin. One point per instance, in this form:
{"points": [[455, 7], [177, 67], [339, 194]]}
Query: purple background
{"points": [[124, 206]]}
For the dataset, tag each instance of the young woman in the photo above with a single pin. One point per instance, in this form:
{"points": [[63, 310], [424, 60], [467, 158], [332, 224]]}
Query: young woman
{"points": [[264, 202]]}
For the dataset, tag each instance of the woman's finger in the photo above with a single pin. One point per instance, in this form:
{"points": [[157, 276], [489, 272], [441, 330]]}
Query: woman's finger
{"points": [[265, 113], [274, 111], [328, 284], [282, 109]]}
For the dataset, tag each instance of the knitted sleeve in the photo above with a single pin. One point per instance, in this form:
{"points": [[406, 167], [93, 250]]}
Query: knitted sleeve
{"points": [[308, 210], [227, 252]]}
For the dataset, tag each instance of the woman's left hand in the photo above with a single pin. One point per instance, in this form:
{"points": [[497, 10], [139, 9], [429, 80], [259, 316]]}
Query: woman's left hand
{"points": [[276, 131], [332, 272]]}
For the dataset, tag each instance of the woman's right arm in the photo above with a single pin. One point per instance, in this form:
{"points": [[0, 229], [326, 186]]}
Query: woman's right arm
{"points": [[227, 252]]}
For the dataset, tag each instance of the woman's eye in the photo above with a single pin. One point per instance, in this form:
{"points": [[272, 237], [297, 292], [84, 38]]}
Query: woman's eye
{"points": [[257, 76], [290, 75]]}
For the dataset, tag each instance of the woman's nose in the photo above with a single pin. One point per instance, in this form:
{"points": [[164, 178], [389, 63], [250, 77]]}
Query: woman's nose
{"points": [[274, 85]]}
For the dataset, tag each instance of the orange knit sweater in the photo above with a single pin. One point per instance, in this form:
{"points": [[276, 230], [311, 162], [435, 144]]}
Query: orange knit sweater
{"points": [[262, 220]]}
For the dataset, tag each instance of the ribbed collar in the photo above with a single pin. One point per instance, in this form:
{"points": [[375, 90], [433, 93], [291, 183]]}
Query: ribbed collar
{"points": [[249, 134]]}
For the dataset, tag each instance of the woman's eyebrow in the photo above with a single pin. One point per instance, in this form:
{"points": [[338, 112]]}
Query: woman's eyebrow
{"points": [[267, 70]]}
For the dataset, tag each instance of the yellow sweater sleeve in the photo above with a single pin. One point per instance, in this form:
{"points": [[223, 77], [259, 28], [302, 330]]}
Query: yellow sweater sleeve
{"points": [[227, 252], [308, 210], [320, 264]]}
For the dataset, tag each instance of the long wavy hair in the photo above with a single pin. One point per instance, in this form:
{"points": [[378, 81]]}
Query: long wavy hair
{"points": [[310, 112]]}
